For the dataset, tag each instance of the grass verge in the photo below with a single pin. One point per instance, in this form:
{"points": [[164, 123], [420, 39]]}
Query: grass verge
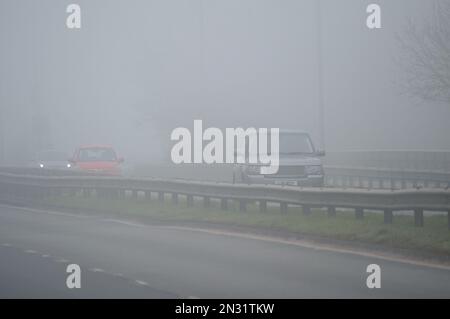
{"points": [[433, 238]]}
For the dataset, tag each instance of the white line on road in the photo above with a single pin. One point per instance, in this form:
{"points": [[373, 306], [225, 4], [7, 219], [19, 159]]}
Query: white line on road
{"points": [[40, 211], [96, 270], [61, 260], [141, 283], [122, 222]]}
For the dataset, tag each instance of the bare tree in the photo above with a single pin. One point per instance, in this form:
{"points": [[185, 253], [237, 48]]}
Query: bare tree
{"points": [[426, 56]]}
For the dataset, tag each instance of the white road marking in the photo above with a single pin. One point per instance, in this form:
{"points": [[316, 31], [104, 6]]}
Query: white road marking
{"points": [[29, 251], [141, 283], [96, 270], [45, 256], [122, 222], [6, 245], [61, 260], [41, 211]]}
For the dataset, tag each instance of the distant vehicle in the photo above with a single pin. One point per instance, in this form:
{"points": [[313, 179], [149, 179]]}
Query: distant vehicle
{"points": [[97, 159], [300, 164], [51, 159]]}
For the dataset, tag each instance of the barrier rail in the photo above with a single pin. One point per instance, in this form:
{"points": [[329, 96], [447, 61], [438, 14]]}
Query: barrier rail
{"points": [[29, 187], [421, 160], [385, 178]]}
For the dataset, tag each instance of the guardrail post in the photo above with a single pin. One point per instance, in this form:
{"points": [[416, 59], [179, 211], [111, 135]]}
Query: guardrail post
{"points": [[392, 183], [283, 208], [348, 181], [359, 213], [148, 195], [190, 200], [263, 206], [306, 210], [161, 197], [418, 217], [175, 198], [327, 180], [380, 183], [331, 211], [388, 216], [360, 182], [134, 194], [206, 202], [331, 180], [223, 204]]}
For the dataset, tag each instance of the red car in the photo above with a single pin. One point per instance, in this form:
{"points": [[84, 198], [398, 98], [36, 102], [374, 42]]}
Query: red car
{"points": [[97, 159]]}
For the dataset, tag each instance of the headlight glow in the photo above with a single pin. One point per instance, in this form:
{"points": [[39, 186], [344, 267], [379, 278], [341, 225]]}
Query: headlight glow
{"points": [[41, 165], [69, 166]]}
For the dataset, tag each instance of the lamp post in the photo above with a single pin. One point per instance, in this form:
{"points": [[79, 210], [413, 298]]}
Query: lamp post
{"points": [[321, 106], [2, 136]]}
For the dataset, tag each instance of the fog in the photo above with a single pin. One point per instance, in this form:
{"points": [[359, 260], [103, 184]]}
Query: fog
{"points": [[138, 69]]}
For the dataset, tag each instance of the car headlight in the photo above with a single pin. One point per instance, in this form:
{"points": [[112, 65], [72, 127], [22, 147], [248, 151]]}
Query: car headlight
{"points": [[68, 165], [41, 165], [314, 170], [253, 170]]}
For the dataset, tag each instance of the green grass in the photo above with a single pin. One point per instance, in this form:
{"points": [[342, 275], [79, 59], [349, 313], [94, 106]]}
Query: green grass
{"points": [[433, 238]]}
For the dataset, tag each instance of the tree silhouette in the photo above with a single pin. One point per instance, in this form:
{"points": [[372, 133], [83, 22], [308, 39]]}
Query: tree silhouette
{"points": [[426, 56]]}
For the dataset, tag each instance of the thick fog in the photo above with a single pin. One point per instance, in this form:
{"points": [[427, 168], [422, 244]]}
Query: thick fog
{"points": [[138, 69]]}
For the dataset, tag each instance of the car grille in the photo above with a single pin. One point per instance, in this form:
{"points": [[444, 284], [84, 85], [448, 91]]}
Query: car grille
{"points": [[298, 171]]}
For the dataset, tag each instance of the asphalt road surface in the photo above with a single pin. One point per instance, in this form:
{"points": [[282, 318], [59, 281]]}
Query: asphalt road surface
{"points": [[128, 260]]}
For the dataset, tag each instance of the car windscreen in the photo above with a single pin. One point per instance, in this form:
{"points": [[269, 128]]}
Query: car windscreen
{"points": [[97, 155], [293, 143], [49, 156]]}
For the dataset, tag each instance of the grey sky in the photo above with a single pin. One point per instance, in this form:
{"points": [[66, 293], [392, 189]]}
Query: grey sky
{"points": [[137, 69]]}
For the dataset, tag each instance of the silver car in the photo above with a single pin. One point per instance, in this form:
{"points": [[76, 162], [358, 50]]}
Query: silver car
{"points": [[51, 159], [300, 164]]}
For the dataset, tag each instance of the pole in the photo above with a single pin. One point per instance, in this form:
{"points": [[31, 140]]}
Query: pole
{"points": [[321, 112], [2, 139]]}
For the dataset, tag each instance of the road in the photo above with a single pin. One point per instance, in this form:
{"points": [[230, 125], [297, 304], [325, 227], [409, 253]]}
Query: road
{"points": [[125, 259]]}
